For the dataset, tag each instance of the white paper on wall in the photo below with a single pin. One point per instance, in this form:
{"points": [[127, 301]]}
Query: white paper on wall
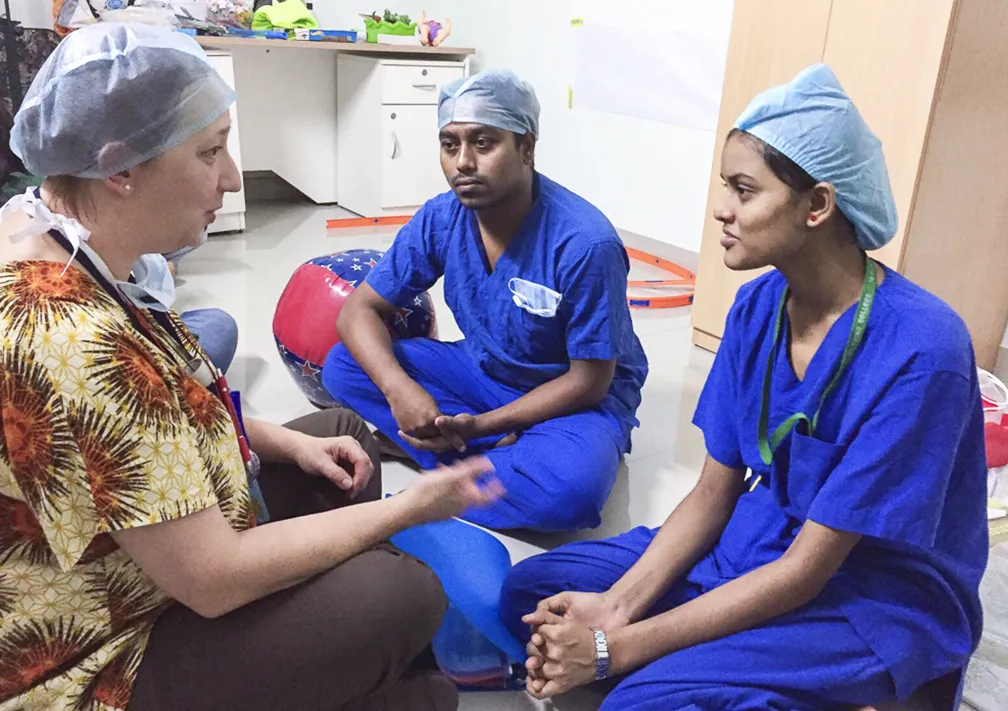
{"points": [[673, 75]]}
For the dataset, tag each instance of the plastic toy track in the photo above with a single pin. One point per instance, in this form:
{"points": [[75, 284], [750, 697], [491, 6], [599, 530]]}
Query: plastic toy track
{"points": [[685, 279], [366, 222]]}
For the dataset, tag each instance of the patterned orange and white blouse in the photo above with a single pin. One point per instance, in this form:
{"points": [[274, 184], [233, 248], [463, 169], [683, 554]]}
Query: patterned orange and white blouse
{"points": [[100, 431]]}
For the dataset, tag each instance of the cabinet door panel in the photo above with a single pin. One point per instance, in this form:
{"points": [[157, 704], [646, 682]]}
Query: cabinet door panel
{"points": [[410, 159]]}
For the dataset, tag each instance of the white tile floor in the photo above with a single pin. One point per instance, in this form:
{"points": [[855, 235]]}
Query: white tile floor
{"points": [[245, 275]]}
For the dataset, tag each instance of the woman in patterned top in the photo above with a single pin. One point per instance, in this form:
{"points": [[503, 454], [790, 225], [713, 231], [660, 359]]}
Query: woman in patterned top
{"points": [[132, 574]]}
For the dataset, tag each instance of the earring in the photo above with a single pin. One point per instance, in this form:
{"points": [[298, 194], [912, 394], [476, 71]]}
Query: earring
{"points": [[128, 188]]}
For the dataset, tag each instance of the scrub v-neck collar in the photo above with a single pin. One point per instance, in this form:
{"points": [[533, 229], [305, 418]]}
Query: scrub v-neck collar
{"points": [[828, 350], [515, 246]]}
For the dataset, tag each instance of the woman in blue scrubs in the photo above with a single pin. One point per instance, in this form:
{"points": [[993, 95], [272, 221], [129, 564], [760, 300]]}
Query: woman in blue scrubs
{"points": [[831, 553]]}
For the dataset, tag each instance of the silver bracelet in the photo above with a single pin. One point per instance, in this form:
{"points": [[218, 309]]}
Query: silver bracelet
{"points": [[601, 654]]}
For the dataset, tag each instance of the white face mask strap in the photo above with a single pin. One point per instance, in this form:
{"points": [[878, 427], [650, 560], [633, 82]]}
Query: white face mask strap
{"points": [[73, 256], [42, 219]]}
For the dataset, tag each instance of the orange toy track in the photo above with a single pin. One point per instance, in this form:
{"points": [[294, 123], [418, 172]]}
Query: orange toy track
{"points": [[367, 221], [685, 280]]}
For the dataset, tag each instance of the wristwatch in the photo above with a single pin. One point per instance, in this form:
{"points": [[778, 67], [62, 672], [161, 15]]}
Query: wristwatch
{"points": [[601, 654]]}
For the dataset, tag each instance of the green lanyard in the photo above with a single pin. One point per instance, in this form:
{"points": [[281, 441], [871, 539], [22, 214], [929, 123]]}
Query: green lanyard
{"points": [[767, 448]]}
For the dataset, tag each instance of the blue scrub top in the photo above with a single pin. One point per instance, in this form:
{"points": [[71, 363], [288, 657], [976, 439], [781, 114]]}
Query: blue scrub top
{"points": [[898, 456], [564, 244]]}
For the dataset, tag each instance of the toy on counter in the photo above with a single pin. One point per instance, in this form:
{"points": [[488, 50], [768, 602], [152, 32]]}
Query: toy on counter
{"points": [[393, 18], [288, 15], [257, 34], [389, 17], [308, 35], [433, 33], [235, 14], [191, 26], [389, 24]]}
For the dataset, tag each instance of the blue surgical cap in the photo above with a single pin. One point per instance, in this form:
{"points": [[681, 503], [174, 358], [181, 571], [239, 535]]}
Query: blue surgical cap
{"points": [[814, 123], [495, 98], [113, 96]]}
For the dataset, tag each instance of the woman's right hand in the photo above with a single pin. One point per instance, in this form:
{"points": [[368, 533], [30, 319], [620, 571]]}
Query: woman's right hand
{"points": [[597, 610], [449, 490]]}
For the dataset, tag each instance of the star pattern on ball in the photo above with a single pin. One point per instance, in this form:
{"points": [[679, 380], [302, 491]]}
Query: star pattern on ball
{"points": [[402, 316], [294, 341]]}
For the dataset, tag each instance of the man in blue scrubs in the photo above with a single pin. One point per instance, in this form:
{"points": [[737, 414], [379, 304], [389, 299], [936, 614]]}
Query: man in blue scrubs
{"points": [[547, 380]]}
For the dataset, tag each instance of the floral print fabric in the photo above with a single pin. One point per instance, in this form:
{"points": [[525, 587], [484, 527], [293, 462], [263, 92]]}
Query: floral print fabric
{"points": [[100, 431]]}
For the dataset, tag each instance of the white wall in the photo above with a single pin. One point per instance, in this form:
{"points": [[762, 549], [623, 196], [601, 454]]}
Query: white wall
{"points": [[31, 13], [648, 177]]}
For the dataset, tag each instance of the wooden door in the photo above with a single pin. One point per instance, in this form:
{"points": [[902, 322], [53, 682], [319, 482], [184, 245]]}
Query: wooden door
{"points": [[956, 245], [888, 56], [771, 41]]}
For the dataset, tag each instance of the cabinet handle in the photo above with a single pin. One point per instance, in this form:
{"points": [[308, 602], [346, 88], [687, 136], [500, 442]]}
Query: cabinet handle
{"points": [[425, 86], [395, 145]]}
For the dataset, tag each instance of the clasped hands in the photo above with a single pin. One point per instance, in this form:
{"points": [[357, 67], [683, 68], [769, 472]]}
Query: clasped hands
{"points": [[561, 652], [423, 426]]}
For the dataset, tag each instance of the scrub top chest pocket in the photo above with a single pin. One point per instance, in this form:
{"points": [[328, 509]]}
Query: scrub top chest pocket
{"points": [[809, 464], [535, 319]]}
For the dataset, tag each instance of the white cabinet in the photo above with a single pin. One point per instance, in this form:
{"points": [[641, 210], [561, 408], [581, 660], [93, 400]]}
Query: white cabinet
{"points": [[231, 217], [411, 156], [388, 155]]}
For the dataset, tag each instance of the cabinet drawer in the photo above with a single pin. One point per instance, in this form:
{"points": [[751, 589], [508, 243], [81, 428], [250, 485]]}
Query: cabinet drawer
{"points": [[415, 84]]}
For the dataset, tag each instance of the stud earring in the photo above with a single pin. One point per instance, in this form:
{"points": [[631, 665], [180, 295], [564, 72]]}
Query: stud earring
{"points": [[128, 188]]}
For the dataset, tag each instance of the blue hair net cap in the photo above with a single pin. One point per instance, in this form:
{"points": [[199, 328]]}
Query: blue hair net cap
{"points": [[814, 123], [495, 98], [113, 96]]}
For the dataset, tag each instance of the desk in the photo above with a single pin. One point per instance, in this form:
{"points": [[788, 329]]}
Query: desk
{"points": [[353, 124], [361, 48]]}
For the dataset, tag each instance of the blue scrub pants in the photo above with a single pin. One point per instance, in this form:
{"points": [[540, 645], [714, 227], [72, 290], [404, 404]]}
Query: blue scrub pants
{"points": [[216, 332], [558, 474], [809, 659]]}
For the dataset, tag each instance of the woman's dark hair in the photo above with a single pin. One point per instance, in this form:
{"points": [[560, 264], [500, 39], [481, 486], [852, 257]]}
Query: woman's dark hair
{"points": [[786, 170]]}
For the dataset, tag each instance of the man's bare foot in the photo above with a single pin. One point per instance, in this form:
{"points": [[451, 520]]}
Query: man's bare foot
{"points": [[388, 447], [507, 441]]}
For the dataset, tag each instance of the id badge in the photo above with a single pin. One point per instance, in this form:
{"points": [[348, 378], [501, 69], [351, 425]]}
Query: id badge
{"points": [[255, 491]]}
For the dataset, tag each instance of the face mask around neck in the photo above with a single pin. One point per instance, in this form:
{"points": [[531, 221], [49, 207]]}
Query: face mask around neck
{"points": [[152, 287]]}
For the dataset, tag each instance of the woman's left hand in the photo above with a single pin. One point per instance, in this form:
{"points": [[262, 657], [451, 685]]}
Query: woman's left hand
{"points": [[561, 654], [327, 457]]}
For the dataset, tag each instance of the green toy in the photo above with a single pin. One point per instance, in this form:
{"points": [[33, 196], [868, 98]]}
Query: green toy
{"points": [[388, 24]]}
